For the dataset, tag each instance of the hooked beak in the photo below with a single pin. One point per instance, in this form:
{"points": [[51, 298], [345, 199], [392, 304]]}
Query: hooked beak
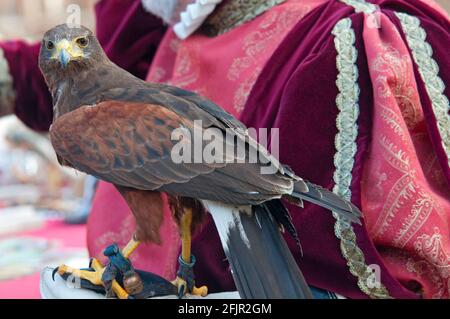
{"points": [[64, 57], [66, 51]]}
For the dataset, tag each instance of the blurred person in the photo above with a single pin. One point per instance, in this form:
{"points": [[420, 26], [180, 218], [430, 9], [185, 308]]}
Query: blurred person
{"points": [[81, 213], [358, 91]]}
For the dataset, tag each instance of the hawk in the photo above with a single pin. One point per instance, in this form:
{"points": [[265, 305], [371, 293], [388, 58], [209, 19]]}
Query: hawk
{"points": [[118, 128]]}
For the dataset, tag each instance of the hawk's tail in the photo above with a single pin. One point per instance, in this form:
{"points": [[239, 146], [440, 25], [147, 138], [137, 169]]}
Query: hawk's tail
{"points": [[318, 195], [261, 263]]}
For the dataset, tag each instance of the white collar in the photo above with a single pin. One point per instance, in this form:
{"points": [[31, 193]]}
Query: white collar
{"points": [[189, 19]]}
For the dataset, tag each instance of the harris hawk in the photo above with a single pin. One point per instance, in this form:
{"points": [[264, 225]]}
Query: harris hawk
{"points": [[118, 128]]}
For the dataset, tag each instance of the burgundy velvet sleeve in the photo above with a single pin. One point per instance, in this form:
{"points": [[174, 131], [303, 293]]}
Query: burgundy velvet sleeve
{"points": [[128, 34], [305, 103], [296, 92], [33, 102]]}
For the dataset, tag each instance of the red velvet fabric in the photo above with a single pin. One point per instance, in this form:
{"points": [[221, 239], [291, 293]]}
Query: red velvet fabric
{"points": [[33, 103], [298, 82]]}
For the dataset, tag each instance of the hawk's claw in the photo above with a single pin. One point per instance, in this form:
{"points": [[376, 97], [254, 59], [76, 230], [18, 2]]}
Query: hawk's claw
{"points": [[181, 290], [185, 279], [98, 275], [54, 272]]}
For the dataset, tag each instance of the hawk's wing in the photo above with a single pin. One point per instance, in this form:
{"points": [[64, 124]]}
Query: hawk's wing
{"points": [[187, 104], [205, 105], [128, 144], [191, 106]]}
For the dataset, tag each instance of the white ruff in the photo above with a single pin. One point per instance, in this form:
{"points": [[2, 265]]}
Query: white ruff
{"points": [[161, 8], [186, 16]]}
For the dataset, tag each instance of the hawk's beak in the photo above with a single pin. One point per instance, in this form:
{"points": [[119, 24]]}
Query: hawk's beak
{"points": [[64, 57], [65, 51]]}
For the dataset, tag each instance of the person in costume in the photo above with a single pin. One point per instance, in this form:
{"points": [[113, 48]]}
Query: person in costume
{"points": [[359, 92]]}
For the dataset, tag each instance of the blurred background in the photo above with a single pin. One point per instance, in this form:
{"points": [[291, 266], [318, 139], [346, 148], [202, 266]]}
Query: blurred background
{"points": [[31, 18], [43, 207]]}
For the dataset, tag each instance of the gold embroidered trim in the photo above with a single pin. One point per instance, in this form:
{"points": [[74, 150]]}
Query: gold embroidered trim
{"points": [[361, 6], [346, 147], [7, 96], [234, 13], [429, 71]]}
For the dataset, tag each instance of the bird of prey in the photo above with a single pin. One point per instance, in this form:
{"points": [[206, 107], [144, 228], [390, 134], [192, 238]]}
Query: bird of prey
{"points": [[118, 128]]}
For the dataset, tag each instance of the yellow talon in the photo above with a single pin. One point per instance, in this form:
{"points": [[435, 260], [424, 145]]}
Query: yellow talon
{"points": [[130, 247], [94, 277], [119, 291], [197, 291], [200, 291], [186, 259], [178, 282], [96, 265]]}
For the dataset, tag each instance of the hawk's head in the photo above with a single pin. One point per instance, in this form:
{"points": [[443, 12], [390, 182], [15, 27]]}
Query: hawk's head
{"points": [[66, 48]]}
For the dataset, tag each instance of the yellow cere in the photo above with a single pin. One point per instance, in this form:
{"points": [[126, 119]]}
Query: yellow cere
{"points": [[71, 47]]}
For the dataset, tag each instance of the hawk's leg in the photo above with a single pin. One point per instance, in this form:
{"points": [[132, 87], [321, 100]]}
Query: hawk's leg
{"points": [[96, 271], [185, 275]]}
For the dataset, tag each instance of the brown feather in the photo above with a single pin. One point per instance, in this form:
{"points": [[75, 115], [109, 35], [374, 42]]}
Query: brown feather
{"points": [[147, 208], [129, 144], [178, 204]]}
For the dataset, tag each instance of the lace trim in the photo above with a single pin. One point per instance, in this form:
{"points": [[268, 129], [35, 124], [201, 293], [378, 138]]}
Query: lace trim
{"points": [[192, 18], [361, 6], [346, 147], [234, 13], [7, 96], [429, 71]]}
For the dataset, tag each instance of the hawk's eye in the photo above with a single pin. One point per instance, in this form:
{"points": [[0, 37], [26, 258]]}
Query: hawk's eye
{"points": [[50, 45], [82, 42]]}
